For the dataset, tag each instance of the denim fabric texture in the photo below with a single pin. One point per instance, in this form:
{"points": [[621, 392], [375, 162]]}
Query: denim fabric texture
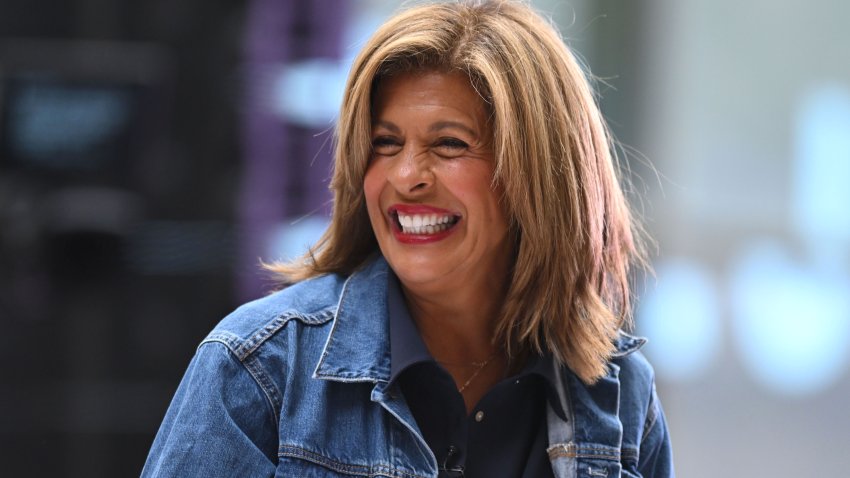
{"points": [[296, 384]]}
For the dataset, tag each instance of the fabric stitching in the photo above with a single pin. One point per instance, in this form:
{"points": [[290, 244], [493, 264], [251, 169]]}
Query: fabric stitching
{"points": [[231, 341], [629, 453], [351, 469], [337, 313], [571, 450], [252, 343], [269, 392], [651, 415], [242, 348], [252, 364]]}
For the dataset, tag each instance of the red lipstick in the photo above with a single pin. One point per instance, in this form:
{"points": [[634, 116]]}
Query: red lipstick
{"points": [[441, 222]]}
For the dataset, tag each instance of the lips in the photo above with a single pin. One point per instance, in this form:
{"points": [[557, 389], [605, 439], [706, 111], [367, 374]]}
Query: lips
{"points": [[421, 223]]}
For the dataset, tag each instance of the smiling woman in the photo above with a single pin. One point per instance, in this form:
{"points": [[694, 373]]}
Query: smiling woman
{"points": [[462, 314], [432, 167]]}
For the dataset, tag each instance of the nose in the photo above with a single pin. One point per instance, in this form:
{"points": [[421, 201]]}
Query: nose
{"points": [[410, 172]]}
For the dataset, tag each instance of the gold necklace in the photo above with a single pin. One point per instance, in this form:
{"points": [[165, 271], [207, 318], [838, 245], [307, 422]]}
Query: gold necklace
{"points": [[479, 367]]}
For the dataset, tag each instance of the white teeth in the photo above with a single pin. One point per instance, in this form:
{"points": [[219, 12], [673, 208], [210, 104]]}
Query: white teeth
{"points": [[424, 223]]}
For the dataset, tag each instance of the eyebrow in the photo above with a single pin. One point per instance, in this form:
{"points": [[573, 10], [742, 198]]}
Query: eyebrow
{"points": [[390, 126], [439, 125]]}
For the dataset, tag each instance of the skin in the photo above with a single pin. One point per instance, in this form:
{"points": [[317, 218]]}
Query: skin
{"points": [[431, 150]]}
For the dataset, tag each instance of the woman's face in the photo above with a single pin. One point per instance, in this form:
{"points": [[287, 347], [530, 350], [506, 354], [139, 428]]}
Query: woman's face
{"points": [[437, 219]]}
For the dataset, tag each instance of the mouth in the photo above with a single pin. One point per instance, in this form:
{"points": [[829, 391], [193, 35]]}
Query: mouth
{"points": [[422, 220]]}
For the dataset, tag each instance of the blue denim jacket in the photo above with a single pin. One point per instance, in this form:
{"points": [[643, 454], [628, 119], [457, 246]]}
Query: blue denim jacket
{"points": [[296, 385]]}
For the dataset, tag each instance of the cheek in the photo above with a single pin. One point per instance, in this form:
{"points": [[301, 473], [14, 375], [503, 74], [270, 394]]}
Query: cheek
{"points": [[475, 190]]}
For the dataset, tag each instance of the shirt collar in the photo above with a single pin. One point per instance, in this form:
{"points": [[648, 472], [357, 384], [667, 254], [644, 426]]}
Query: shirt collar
{"points": [[407, 347], [541, 365], [362, 348]]}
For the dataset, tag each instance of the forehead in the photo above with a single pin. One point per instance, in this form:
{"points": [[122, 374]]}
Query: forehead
{"points": [[428, 91]]}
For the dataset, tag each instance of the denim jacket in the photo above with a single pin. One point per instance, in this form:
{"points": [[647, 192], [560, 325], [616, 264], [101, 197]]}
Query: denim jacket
{"points": [[296, 385]]}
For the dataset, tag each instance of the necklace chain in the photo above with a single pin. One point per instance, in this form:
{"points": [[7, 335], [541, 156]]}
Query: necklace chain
{"points": [[465, 364], [479, 367]]}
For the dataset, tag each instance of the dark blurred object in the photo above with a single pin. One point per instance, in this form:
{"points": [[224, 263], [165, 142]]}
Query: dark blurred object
{"points": [[78, 109], [118, 154]]}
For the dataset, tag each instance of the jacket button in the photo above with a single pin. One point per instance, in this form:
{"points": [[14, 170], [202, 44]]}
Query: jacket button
{"points": [[479, 416]]}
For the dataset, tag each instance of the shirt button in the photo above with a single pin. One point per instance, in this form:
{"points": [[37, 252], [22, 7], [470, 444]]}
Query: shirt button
{"points": [[479, 416]]}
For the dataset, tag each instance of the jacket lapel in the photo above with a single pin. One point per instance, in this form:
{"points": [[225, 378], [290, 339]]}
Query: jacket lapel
{"points": [[358, 348]]}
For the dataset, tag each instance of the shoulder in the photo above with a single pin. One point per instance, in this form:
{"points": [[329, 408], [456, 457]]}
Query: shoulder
{"points": [[311, 306], [310, 303]]}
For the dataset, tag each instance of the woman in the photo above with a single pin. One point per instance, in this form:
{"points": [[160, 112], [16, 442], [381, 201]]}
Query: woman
{"points": [[461, 316]]}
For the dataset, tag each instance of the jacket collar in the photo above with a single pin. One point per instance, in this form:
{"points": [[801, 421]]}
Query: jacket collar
{"points": [[626, 344], [358, 346]]}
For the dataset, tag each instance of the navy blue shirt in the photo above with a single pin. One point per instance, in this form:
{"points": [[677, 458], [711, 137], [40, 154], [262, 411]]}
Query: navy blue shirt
{"points": [[506, 433]]}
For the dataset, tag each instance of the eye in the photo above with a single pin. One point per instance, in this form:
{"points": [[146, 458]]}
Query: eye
{"points": [[386, 145], [450, 147]]}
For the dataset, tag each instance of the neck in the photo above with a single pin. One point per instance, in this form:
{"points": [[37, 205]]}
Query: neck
{"points": [[456, 318], [457, 323], [458, 331]]}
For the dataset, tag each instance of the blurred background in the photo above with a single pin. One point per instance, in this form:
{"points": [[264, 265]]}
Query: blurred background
{"points": [[152, 152]]}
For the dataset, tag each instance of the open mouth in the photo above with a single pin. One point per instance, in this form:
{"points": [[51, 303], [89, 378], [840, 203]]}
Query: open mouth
{"points": [[423, 224]]}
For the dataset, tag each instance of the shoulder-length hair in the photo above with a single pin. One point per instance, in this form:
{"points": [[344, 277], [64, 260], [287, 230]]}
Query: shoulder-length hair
{"points": [[569, 291]]}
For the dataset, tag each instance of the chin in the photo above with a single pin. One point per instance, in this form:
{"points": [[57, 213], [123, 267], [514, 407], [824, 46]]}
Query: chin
{"points": [[416, 270]]}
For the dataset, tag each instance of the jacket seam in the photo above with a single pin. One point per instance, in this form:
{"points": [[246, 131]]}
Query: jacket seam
{"points": [[357, 470], [571, 450], [273, 395], [258, 338], [230, 341], [629, 453], [651, 416], [242, 348], [259, 377]]}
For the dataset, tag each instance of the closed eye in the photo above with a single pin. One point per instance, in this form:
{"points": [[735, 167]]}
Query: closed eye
{"points": [[450, 147], [386, 145]]}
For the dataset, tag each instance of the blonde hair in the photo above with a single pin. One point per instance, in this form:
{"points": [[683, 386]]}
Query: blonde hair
{"points": [[569, 291]]}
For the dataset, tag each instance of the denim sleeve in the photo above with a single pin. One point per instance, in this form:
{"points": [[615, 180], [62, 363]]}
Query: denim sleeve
{"points": [[218, 424], [656, 457]]}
